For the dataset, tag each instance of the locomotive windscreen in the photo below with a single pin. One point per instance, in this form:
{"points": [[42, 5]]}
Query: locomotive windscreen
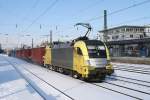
{"points": [[93, 42], [96, 51]]}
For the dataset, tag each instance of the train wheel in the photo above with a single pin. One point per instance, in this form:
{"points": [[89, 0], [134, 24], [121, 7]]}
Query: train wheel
{"points": [[50, 67], [46, 66], [53, 68], [109, 72], [61, 70], [84, 79], [66, 72], [75, 75]]}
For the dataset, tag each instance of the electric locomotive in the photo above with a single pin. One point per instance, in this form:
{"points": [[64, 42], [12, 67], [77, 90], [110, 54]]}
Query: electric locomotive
{"points": [[83, 58]]}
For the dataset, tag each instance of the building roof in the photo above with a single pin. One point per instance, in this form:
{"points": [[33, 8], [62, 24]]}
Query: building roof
{"points": [[125, 26]]}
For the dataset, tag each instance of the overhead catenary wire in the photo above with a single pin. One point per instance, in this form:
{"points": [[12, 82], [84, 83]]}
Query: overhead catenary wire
{"points": [[89, 6], [133, 20], [38, 17], [32, 7], [43, 13], [35, 4], [121, 10]]}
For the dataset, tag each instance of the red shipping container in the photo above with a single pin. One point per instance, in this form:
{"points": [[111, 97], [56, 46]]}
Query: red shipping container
{"points": [[21, 51], [37, 55], [18, 54], [26, 53]]}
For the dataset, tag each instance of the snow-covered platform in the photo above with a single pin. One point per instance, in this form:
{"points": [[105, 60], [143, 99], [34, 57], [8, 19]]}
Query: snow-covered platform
{"points": [[13, 86], [36, 83]]}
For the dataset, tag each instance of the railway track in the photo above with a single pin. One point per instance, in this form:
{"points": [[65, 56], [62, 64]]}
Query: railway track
{"points": [[126, 80], [106, 89], [116, 91], [39, 79], [85, 82], [26, 79], [123, 80], [131, 79], [127, 87], [121, 86], [101, 86], [133, 70], [133, 67], [143, 68]]}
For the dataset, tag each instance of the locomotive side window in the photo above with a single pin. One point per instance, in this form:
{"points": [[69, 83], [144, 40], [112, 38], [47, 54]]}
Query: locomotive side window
{"points": [[96, 51], [79, 51]]}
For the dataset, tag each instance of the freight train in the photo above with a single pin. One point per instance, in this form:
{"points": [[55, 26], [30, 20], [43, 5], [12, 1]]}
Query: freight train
{"points": [[82, 58]]}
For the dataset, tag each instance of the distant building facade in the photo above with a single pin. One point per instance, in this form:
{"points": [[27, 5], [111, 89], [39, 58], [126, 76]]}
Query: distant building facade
{"points": [[128, 40]]}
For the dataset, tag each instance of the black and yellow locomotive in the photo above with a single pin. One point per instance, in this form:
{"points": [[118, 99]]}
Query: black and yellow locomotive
{"points": [[84, 58]]}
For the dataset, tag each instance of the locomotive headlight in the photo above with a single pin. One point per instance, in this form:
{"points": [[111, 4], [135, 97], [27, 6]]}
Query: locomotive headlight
{"points": [[109, 65], [87, 62]]}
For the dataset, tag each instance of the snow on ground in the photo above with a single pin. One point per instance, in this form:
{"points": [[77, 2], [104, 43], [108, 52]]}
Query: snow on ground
{"points": [[53, 85], [77, 89], [144, 77], [135, 87], [13, 86]]}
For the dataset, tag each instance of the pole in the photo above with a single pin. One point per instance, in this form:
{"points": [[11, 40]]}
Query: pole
{"points": [[32, 42], [105, 19], [51, 38], [105, 25]]}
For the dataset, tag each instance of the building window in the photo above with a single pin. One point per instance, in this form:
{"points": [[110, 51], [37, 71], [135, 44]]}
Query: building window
{"points": [[141, 36], [149, 30], [131, 36], [117, 31], [112, 37], [127, 30], [117, 37], [123, 36], [136, 30], [123, 30], [130, 29], [141, 30], [144, 34]]}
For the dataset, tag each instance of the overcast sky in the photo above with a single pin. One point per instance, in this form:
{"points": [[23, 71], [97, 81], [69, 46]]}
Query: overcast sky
{"points": [[37, 17]]}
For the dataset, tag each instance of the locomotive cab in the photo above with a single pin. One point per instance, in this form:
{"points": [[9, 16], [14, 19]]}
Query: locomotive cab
{"points": [[91, 59]]}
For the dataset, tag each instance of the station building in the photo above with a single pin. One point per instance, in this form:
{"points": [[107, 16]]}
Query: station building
{"points": [[130, 41]]}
